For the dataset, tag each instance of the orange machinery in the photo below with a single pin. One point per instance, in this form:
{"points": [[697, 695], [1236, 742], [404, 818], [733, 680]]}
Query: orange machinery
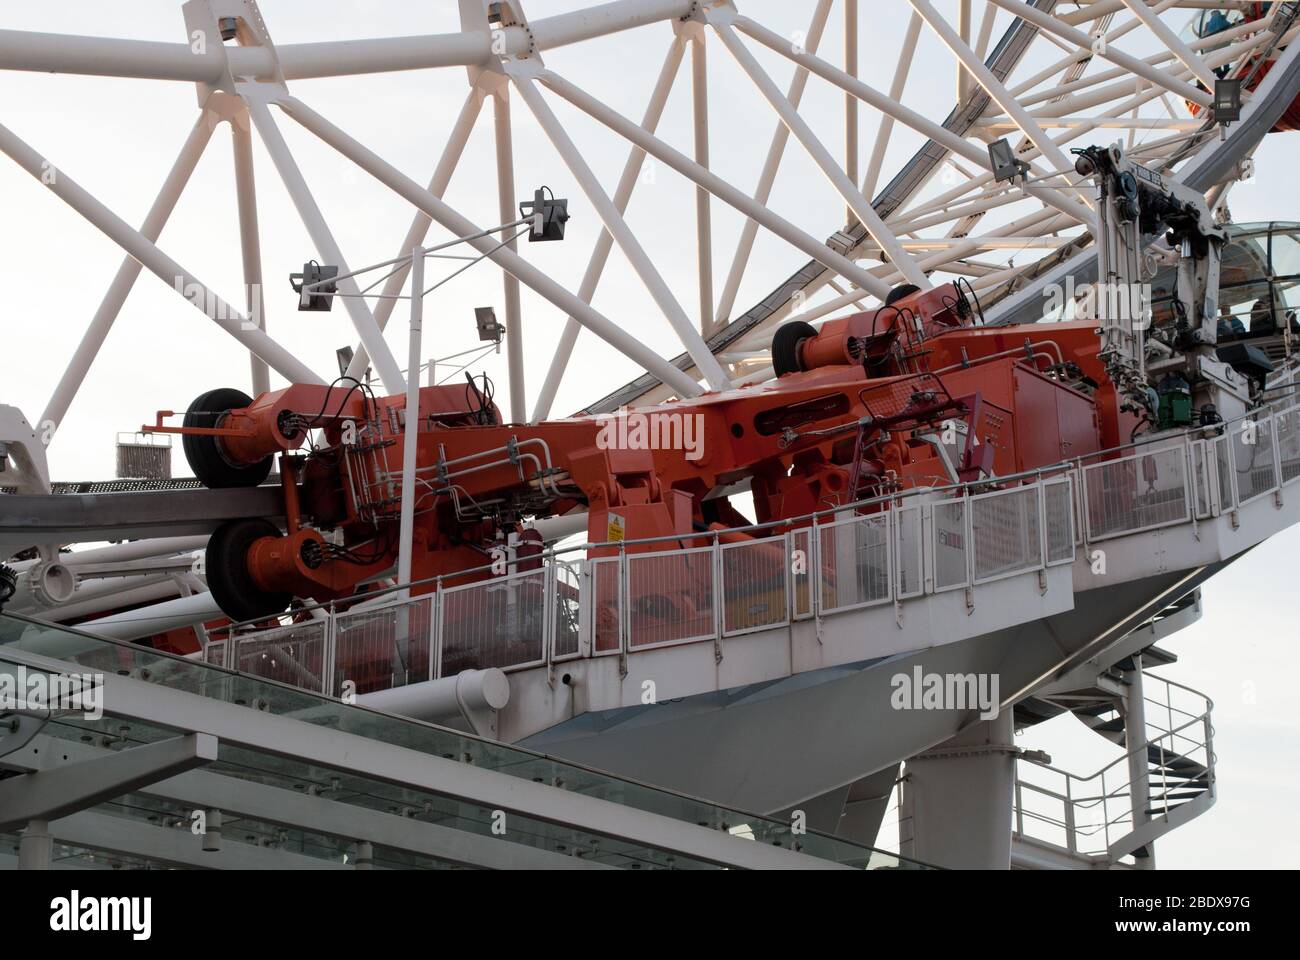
{"points": [[914, 393]]}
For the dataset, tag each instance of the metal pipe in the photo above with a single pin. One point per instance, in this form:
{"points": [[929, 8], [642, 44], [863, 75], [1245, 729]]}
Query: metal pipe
{"points": [[605, 242], [644, 267], [781, 136], [703, 219], [724, 191], [323, 240], [848, 190], [91, 341], [101, 56], [411, 432], [164, 267], [403, 185], [419, 229], [249, 239], [146, 621], [444, 698], [510, 284]]}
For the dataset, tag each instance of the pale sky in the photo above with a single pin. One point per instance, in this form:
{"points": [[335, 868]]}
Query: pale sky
{"points": [[118, 138]]}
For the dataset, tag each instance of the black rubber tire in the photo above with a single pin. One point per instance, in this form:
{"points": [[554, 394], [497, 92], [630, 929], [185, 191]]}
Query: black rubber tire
{"points": [[226, 568], [785, 346], [899, 292], [203, 452]]}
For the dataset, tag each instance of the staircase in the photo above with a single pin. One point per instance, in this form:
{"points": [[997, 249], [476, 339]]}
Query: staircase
{"points": [[1065, 820]]}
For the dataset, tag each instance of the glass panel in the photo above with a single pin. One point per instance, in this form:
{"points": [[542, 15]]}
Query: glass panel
{"points": [[1247, 308], [349, 787]]}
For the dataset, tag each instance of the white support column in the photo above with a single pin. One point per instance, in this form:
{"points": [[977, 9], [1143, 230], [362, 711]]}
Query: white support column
{"points": [[604, 243], [35, 846], [623, 235], [850, 101], [419, 229], [411, 430], [724, 191], [57, 407], [507, 259], [821, 156], [961, 794], [794, 93], [963, 30], [508, 212], [162, 266], [249, 239], [703, 221], [318, 230]]}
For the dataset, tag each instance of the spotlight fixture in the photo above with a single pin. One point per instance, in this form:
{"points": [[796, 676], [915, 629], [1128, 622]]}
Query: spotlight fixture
{"points": [[548, 215], [1006, 165], [310, 296]]}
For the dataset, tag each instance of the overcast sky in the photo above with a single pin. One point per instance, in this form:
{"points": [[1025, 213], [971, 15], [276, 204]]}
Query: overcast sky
{"points": [[118, 138]]}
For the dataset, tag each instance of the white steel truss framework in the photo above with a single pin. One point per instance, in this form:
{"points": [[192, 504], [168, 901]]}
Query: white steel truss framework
{"points": [[1046, 74]]}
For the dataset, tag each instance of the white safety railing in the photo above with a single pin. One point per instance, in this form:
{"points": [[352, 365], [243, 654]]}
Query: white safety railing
{"points": [[624, 600]]}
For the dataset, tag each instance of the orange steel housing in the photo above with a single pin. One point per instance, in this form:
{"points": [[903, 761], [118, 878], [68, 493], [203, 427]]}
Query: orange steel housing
{"points": [[801, 440]]}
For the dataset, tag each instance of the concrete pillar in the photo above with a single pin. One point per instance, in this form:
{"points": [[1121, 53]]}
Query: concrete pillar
{"points": [[36, 846], [957, 799]]}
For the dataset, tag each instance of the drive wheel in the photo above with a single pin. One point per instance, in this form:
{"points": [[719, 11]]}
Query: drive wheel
{"points": [[226, 567], [203, 451]]}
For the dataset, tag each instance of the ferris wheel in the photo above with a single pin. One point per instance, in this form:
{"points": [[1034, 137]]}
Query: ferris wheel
{"points": [[1028, 80]]}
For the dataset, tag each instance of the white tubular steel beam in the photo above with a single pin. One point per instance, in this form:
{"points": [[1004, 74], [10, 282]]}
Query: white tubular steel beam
{"points": [[362, 319], [100, 56], [767, 178], [992, 86], [890, 107], [510, 284], [886, 130], [604, 243], [703, 221], [724, 191], [963, 30], [1051, 24], [411, 430], [623, 235], [529, 275], [419, 229], [104, 57], [147, 253], [846, 188], [850, 101], [91, 341], [249, 239], [1171, 40]]}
